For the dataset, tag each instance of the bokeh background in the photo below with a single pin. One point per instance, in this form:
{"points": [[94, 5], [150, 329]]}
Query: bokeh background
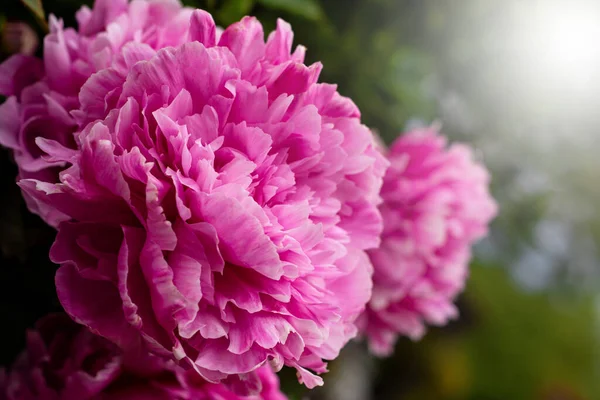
{"points": [[517, 79]]}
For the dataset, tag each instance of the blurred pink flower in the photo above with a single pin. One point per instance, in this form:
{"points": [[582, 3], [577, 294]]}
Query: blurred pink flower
{"points": [[65, 361], [436, 205], [42, 93], [220, 204]]}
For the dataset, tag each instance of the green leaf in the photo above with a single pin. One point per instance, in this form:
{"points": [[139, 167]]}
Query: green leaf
{"points": [[233, 10], [309, 9], [35, 6]]}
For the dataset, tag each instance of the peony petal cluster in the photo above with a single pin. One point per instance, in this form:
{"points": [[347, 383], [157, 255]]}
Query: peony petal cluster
{"points": [[65, 361], [42, 94], [436, 205], [214, 203]]}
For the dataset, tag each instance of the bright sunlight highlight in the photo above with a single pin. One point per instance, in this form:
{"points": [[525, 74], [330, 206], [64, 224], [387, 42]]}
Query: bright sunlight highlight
{"points": [[565, 39]]}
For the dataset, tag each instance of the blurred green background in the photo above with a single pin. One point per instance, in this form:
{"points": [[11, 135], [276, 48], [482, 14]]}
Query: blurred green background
{"points": [[517, 79]]}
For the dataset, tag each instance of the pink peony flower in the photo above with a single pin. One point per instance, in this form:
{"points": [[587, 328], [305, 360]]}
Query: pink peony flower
{"points": [[220, 204], [65, 361], [436, 204], [42, 93]]}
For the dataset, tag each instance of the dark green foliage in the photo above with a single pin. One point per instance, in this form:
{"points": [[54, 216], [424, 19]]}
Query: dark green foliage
{"points": [[35, 6], [309, 9]]}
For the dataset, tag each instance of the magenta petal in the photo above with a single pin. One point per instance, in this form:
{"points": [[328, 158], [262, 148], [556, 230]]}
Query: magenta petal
{"points": [[131, 54], [131, 247], [82, 385], [295, 78], [56, 151], [208, 323], [104, 12], [202, 28], [166, 68], [166, 299], [365, 236], [310, 380], [230, 287], [159, 229], [213, 356], [93, 303], [350, 286], [263, 329], [204, 126], [135, 295], [245, 39], [9, 124], [18, 72], [93, 95], [99, 210], [244, 243], [57, 59], [279, 43]]}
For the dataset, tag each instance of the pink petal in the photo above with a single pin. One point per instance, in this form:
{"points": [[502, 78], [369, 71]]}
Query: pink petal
{"points": [[202, 28]]}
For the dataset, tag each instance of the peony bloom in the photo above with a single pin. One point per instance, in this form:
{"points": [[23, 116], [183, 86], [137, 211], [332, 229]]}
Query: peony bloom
{"points": [[42, 93], [220, 202], [65, 361], [436, 204]]}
